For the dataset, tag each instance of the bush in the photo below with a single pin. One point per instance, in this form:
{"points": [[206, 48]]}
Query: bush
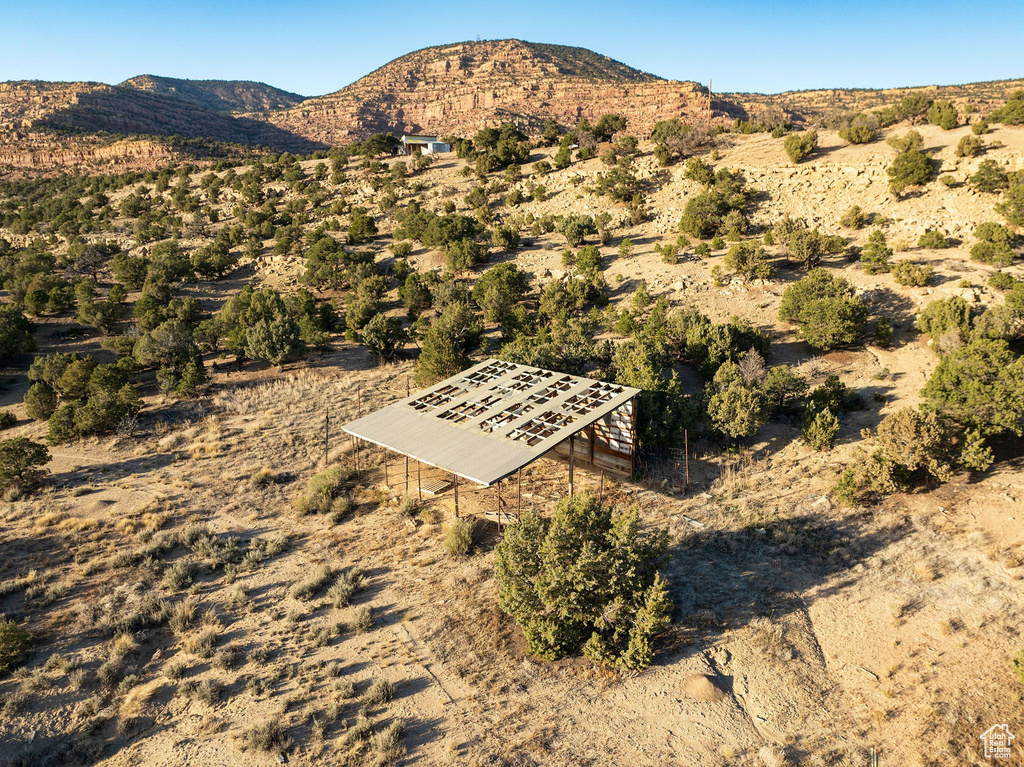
{"points": [[875, 253], [846, 490], [911, 168], [969, 146], [1012, 205], [883, 332], [7, 420], [911, 274], [458, 536], [21, 462], [825, 308], [323, 489], [800, 145], [914, 441], [698, 170], [989, 231], [505, 238], [934, 239], [1012, 112], [911, 140], [400, 249], [940, 317], [995, 253], [989, 177], [14, 644], [1001, 281], [40, 401], [820, 431], [943, 114], [384, 336], [980, 386], [445, 345], [859, 129], [748, 260], [737, 407], [15, 332], [268, 736], [586, 579], [854, 218]]}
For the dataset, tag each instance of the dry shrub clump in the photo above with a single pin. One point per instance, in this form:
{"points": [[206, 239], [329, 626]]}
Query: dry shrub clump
{"points": [[327, 493], [268, 736], [345, 587], [458, 536], [313, 585]]}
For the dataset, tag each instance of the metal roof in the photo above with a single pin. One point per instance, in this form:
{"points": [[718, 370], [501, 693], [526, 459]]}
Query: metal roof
{"points": [[487, 422]]}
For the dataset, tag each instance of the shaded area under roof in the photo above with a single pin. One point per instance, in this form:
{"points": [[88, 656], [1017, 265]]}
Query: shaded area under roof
{"points": [[491, 420]]}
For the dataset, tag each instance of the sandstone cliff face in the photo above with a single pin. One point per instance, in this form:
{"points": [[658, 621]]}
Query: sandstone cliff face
{"points": [[460, 88]]}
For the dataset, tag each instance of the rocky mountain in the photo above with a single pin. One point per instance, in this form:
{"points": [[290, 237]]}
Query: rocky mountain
{"points": [[459, 88], [448, 89], [230, 96], [43, 123]]}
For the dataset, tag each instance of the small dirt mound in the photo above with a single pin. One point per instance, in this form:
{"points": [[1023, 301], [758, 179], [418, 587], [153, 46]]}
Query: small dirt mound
{"points": [[701, 687]]}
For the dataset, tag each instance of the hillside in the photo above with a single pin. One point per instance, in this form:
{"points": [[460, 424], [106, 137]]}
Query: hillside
{"points": [[459, 88], [448, 89], [46, 123], [185, 607], [821, 105], [218, 95]]}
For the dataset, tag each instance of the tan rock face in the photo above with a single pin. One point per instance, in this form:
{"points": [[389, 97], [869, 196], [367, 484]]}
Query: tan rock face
{"points": [[460, 88]]}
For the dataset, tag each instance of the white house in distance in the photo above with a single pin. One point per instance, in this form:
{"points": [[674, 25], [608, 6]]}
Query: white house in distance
{"points": [[423, 145]]}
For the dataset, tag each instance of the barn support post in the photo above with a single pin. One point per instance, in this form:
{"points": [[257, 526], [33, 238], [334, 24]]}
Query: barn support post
{"points": [[359, 414], [572, 461], [519, 495], [499, 508], [407, 476], [600, 494], [385, 467], [456, 495], [419, 482]]}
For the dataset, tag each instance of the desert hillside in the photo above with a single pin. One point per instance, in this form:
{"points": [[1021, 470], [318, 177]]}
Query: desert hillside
{"points": [[818, 558], [218, 95]]}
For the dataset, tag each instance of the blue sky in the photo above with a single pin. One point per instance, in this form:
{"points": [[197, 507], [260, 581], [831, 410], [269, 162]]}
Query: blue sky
{"points": [[317, 47]]}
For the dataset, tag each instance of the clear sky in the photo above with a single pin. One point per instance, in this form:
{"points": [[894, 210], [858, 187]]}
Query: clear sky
{"points": [[317, 47]]}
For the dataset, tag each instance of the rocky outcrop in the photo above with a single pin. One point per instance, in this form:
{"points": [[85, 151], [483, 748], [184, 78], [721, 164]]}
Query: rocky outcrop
{"points": [[460, 88], [229, 96]]}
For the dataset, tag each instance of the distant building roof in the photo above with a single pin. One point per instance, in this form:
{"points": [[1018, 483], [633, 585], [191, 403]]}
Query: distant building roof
{"points": [[421, 139], [487, 422]]}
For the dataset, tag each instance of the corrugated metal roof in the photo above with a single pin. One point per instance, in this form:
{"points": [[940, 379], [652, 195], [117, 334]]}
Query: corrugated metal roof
{"points": [[486, 422]]}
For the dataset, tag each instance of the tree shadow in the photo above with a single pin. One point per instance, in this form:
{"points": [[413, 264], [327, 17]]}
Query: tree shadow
{"points": [[723, 579]]}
